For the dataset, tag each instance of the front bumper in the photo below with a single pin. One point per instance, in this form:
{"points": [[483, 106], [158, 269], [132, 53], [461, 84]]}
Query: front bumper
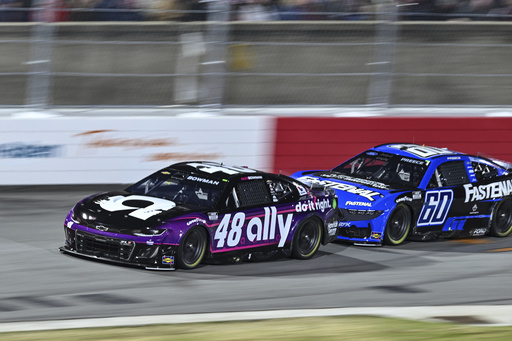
{"points": [[120, 250], [358, 233]]}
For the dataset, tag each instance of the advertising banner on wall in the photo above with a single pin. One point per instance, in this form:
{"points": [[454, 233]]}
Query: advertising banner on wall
{"points": [[111, 150]]}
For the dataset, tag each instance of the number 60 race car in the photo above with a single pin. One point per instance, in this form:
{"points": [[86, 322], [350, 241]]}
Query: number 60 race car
{"points": [[195, 211], [395, 191]]}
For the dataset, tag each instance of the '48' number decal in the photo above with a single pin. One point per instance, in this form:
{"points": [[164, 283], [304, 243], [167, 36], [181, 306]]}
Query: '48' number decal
{"points": [[273, 227], [436, 207]]}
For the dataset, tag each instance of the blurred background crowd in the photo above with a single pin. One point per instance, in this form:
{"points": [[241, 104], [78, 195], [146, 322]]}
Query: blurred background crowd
{"points": [[250, 10]]}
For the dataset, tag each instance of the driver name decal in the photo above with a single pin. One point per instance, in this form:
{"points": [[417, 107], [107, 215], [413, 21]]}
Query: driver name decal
{"points": [[203, 180]]}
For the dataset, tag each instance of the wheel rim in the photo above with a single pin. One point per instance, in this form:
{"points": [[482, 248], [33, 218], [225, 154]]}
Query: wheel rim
{"points": [[503, 220], [308, 238], [192, 247], [398, 225]]}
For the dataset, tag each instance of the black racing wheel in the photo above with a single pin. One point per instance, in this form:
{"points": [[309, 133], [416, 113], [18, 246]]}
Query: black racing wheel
{"points": [[192, 249], [306, 239], [501, 224], [398, 225]]}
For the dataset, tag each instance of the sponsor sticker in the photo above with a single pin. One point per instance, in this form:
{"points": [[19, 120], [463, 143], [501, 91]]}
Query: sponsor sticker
{"points": [[169, 260], [366, 193], [301, 189], [489, 191], [376, 235], [358, 203], [331, 228], [479, 232], [312, 205], [272, 226], [196, 221]]}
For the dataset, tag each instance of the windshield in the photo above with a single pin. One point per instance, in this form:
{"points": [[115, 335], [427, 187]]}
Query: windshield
{"points": [[395, 170], [180, 187]]}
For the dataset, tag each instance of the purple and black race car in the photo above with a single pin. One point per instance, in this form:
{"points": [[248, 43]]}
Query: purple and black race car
{"points": [[198, 211]]}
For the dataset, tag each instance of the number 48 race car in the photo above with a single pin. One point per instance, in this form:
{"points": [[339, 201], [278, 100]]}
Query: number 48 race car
{"points": [[395, 191], [195, 211]]}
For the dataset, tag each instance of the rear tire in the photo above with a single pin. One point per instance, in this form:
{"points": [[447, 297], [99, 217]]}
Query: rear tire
{"points": [[398, 225], [501, 224], [192, 249], [306, 240]]}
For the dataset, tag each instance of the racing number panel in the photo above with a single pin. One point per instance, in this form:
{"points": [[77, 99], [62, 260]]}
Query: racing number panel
{"points": [[445, 207]]}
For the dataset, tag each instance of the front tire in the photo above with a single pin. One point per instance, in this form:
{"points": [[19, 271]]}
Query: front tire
{"points": [[192, 249], [398, 225], [306, 240], [501, 224]]}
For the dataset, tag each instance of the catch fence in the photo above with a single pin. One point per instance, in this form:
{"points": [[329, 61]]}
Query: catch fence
{"points": [[385, 58]]}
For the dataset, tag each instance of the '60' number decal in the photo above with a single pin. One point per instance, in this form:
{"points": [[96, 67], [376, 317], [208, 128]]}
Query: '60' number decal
{"points": [[436, 207]]}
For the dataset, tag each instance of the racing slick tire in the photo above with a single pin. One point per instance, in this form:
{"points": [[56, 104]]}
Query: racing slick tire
{"points": [[398, 225], [306, 239], [501, 224], [192, 249]]}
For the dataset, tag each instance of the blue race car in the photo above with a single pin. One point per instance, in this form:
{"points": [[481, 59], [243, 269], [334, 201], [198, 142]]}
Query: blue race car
{"points": [[395, 191], [194, 211]]}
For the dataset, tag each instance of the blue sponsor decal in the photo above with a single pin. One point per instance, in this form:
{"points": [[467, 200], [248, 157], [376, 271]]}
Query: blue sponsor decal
{"points": [[20, 150], [168, 260]]}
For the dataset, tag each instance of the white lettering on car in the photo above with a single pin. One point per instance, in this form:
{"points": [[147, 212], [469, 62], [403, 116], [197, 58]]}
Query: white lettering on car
{"points": [[310, 205], [358, 203], [230, 231], [489, 191], [366, 193], [206, 181], [213, 168]]}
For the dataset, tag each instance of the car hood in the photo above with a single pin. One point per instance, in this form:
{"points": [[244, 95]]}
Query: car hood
{"points": [[351, 191], [124, 210]]}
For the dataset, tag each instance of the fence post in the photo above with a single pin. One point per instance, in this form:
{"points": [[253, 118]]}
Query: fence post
{"points": [[386, 31], [214, 64], [39, 76]]}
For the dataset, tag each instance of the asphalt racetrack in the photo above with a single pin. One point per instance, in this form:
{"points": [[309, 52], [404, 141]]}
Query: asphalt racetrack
{"points": [[39, 283]]}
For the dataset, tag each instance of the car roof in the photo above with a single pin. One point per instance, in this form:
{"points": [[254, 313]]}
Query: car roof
{"points": [[416, 151], [217, 170]]}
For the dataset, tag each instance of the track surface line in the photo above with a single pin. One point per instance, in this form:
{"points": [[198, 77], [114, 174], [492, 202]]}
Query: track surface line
{"points": [[488, 315]]}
